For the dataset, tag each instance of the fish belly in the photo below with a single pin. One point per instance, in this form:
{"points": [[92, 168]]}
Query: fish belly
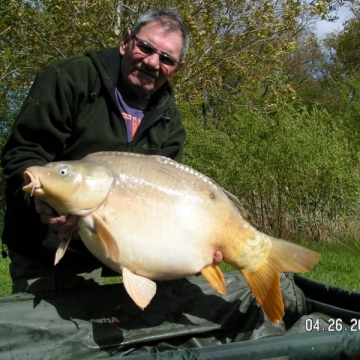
{"points": [[155, 249], [165, 221]]}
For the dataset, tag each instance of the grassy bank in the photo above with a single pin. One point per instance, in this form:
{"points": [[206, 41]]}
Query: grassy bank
{"points": [[338, 266], [5, 283]]}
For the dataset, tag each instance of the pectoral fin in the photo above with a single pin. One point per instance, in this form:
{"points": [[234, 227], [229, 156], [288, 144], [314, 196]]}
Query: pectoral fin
{"points": [[139, 288], [213, 274], [108, 241]]}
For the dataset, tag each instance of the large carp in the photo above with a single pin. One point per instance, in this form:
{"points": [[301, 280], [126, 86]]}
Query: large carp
{"points": [[151, 218]]}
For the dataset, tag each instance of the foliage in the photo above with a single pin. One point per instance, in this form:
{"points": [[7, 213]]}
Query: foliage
{"points": [[346, 44], [292, 169], [234, 43], [341, 98]]}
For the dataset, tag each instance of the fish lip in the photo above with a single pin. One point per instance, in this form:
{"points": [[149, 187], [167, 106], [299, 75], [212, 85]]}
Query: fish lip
{"points": [[28, 178], [32, 183]]}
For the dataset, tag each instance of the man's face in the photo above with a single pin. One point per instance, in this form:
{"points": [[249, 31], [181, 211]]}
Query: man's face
{"points": [[144, 73]]}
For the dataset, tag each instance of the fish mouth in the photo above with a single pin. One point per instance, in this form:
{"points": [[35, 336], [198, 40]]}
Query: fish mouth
{"points": [[32, 182]]}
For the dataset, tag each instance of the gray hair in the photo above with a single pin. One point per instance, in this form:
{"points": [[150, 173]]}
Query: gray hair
{"points": [[167, 17]]}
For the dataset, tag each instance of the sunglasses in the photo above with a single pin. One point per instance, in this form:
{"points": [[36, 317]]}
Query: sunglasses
{"points": [[148, 50]]}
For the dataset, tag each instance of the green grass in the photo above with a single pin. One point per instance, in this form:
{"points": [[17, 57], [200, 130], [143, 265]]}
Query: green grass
{"points": [[338, 266], [5, 282]]}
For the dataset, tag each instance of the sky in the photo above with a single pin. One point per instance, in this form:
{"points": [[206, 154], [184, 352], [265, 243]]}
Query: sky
{"points": [[324, 27]]}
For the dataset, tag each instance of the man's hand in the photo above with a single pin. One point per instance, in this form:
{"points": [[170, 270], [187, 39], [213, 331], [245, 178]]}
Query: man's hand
{"points": [[64, 225]]}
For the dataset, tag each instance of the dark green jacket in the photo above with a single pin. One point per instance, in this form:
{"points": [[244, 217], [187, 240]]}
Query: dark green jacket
{"points": [[70, 112]]}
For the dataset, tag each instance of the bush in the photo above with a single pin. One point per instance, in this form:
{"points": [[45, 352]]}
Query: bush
{"points": [[293, 169]]}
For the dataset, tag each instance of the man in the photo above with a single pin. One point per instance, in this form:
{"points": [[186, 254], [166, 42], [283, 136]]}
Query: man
{"points": [[109, 100]]}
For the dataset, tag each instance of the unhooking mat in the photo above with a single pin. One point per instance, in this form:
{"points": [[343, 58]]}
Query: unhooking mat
{"points": [[185, 320]]}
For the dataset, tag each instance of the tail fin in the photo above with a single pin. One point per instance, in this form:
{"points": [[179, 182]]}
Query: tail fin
{"points": [[265, 281]]}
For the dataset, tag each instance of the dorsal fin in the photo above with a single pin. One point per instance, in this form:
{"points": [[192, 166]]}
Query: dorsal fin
{"points": [[236, 202]]}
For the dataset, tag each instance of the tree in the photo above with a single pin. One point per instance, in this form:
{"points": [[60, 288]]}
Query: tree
{"points": [[235, 44]]}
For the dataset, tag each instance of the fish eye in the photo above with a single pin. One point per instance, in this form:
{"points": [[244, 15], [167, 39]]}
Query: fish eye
{"points": [[63, 171]]}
